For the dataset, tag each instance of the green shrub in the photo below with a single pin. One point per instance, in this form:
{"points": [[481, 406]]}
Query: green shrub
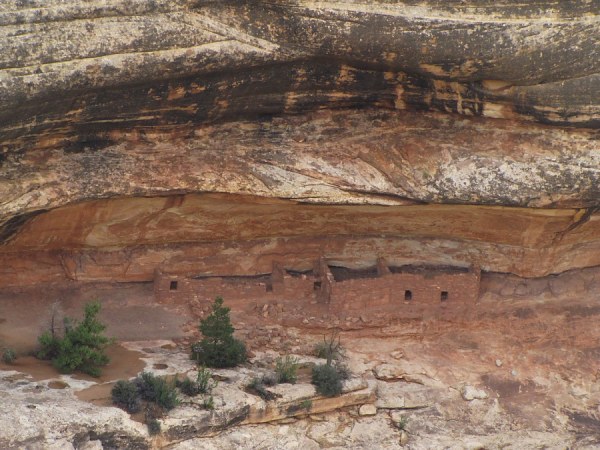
{"points": [[321, 350], [402, 423], [287, 369], [166, 395], [306, 404], [204, 383], [145, 383], [9, 356], [209, 402], [81, 348], [295, 408], [269, 379], [327, 380], [125, 395], [218, 348], [188, 387], [49, 346], [157, 389], [154, 427]]}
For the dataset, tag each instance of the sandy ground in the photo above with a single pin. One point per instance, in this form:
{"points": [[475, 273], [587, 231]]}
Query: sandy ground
{"points": [[533, 347]]}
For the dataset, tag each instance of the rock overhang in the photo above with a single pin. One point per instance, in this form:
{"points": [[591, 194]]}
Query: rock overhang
{"points": [[393, 104]]}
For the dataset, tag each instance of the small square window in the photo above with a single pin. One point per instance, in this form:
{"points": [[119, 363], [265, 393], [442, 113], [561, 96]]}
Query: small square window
{"points": [[173, 286], [408, 295], [444, 296]]}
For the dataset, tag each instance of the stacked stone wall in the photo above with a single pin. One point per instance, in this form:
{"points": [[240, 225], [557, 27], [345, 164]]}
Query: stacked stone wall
{"points": [[233, 288], [429, 289], [407, 291]]}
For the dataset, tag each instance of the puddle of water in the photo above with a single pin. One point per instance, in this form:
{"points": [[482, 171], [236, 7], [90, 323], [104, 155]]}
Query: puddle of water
{"points": [[98, 394], [57, 384], [37, 369], [123, 363]]}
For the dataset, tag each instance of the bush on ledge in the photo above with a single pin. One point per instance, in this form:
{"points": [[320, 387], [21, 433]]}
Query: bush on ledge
{"points": [[218, 348]]}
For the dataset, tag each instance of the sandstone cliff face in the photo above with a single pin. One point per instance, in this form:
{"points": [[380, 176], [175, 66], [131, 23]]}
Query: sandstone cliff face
{"points": [[218, 137], [127, 239], [407, 104]]}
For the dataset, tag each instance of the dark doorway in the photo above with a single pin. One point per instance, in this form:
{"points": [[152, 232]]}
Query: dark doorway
{"points": [[173, 286], [444, 296], [408, 295]]}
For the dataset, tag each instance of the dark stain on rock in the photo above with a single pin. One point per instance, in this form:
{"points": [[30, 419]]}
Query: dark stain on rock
{"points": [[12, 226], [111, 440], [524, 313], [206, 426], [585, 423], [506, 387], [297, 407], [87, 143], [582, 311]]}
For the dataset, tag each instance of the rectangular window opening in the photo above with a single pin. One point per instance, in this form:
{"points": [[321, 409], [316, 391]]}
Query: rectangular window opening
{"points": [[317, 285], [173, 286], [444, 296], [407, 295]]}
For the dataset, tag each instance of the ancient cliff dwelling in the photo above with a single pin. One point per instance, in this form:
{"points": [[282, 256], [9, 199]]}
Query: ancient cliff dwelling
{"points": [[334, 289], [398, 202]]}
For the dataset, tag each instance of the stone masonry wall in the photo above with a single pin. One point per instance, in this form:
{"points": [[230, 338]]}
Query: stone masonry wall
{"points": [[410, 290], [429, 289], [260, 289]]}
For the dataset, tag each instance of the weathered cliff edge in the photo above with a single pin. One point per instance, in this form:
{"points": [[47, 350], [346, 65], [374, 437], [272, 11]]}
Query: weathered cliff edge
{"points": [[446, 112]]}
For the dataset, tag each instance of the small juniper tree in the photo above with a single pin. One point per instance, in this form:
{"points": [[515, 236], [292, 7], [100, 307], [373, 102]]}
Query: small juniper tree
{"points": [[218, 348], [81, 348]]}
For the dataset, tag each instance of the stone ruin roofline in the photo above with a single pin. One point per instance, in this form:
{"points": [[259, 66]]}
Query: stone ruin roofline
{"points": [[405, 268]]}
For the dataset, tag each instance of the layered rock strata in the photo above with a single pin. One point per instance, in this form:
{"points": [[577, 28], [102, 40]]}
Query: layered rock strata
{"points": [[127, 239], [122, 112]]}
